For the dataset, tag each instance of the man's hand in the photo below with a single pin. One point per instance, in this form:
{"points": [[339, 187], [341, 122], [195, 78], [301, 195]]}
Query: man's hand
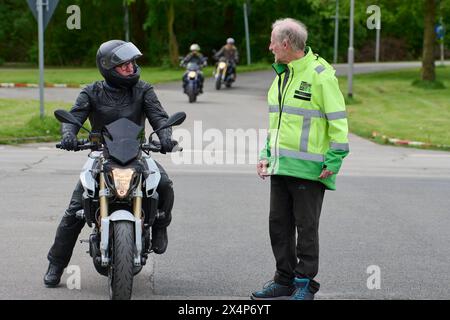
{"points": [[325, 174], [69, 141], [167, 145], [261, 169]]}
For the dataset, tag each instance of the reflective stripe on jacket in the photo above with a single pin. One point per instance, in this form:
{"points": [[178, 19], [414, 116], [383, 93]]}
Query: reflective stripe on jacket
{"points": [[308, 121]]}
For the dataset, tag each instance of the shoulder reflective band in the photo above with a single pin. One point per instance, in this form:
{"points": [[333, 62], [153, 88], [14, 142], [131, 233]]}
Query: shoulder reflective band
{"points": [[319, 69]]}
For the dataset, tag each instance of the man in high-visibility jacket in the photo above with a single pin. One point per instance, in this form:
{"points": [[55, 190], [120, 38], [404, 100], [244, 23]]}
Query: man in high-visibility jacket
{"points": [[305, 147]]}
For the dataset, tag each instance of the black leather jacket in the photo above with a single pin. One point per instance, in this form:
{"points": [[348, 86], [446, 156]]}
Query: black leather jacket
{"points": [[197, 58], [104, 104]]}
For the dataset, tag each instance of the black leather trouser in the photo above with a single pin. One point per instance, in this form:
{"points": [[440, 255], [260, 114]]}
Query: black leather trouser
{"points": [[295, 206], [70, 226]]}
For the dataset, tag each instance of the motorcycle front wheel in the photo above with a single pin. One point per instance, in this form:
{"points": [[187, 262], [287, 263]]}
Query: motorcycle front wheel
{"points": [[218, 82], [190, 90], [122, 266]]}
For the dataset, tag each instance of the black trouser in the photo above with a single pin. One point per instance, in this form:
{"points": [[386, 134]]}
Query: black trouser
{"points": [[70, 226], [295, 205]]}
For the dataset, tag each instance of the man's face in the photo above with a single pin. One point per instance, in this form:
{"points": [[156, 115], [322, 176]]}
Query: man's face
{"points": [[278, 48], [126, 69]]}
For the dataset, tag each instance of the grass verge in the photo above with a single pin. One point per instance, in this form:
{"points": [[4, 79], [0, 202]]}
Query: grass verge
{"points": [[78, 76], [389, 104], [20, 121]]}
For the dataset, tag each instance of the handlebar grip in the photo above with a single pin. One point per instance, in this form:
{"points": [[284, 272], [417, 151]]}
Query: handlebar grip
{"points": [[177, 148], [82, 144]]}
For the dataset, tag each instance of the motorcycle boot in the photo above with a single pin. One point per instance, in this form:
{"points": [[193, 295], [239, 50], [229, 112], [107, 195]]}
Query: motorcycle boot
{"points": [[159, 239], [165, 205], [184, 79], [53, 275], [202, 79]]}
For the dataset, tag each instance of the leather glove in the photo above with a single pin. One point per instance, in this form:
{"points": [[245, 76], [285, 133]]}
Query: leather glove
{"points": [[167, 145], [69, 141]]}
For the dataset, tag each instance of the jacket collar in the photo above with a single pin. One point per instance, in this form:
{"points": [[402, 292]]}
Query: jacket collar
{"points": [[301, 63]]}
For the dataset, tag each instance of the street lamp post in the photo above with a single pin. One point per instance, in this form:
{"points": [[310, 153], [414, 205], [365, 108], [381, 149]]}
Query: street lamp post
{"points": [[40, 14], [126, 22], [247, 35], [336, 33], [351, 52], [442, 40]]}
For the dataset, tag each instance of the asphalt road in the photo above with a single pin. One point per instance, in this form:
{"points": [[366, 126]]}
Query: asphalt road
{"points": [[390, 211]]}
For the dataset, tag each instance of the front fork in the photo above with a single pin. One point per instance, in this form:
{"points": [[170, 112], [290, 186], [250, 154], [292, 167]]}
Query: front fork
{"points": [[104, 193], [223, 73]]}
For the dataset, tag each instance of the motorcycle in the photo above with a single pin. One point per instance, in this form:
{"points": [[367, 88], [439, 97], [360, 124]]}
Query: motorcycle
{"points": [[223, 73], [120, 200], [191, 81]]}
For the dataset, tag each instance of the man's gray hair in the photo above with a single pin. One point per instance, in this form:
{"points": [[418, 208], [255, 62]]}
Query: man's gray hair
{"points": [[293, 31]]}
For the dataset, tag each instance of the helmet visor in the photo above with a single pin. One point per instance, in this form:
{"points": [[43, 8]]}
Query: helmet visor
{"points": [[124, 53]]}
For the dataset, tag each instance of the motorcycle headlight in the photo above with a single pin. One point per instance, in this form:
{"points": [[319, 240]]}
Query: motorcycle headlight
{"points": [[222, 65], [192, 74], [123, 180]]}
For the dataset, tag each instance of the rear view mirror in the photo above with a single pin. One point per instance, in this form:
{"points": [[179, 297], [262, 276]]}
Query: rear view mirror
{"points": [[174, 120], [66, 117]]}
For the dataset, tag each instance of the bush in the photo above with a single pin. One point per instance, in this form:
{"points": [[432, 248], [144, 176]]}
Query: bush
{"points": [[391, 49]]}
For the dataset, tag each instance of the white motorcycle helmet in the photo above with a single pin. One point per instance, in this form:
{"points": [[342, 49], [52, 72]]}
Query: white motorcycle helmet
{"points": [[230, 41], [194, 47]]}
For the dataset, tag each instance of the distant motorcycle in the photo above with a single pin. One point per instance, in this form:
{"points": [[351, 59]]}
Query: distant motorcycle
{"points": [[223, 73], [192, 80], [120, 199]]}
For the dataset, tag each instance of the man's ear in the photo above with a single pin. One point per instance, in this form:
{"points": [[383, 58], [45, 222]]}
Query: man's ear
{"points": [[285, 44]]}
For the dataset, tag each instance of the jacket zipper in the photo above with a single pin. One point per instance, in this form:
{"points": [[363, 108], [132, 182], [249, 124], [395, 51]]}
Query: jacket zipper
{"points": [[281, 97]]}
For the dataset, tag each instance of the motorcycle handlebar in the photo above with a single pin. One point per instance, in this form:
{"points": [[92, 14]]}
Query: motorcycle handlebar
{"points": [[153, 146], [82, 144]]}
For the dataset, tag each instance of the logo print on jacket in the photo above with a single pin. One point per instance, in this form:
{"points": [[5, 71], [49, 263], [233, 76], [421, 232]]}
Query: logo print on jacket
{"points": [[304, 91]]}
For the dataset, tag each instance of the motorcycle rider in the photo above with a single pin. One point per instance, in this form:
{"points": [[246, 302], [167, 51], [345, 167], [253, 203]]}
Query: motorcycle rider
{"points": [[197, 57], [230, 52], [120, 95]]}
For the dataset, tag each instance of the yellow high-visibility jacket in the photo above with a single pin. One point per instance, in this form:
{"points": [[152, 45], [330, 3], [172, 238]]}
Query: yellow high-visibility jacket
{"points": [[308, 122]]}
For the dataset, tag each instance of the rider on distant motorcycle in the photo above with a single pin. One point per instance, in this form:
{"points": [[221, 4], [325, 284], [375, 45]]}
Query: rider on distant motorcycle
{"points": [[194, 56], [120, 95], [229, 51]]}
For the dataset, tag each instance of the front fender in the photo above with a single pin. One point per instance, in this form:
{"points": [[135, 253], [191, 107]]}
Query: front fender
{"points": [[121, 215]]}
